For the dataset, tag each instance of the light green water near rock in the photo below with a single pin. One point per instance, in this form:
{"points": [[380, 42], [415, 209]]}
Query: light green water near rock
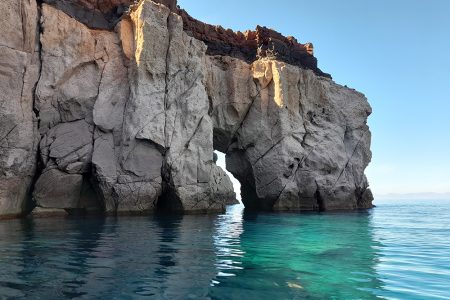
{"points": [[400, 250]]}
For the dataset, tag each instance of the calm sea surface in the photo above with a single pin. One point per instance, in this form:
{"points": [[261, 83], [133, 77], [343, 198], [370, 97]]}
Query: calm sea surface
{"points": [[400, 250]]}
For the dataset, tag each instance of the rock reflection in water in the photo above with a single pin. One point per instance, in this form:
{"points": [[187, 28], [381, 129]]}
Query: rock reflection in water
{"points": [[228, 230], [228, 256], [293, 256]]}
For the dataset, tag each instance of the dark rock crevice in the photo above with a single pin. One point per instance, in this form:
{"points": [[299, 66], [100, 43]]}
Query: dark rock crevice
{"points": [[30, 204], [168, 201], [167, 79]]}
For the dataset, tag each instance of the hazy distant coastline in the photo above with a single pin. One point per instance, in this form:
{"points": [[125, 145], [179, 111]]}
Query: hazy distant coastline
{"points": [[413, 196]]}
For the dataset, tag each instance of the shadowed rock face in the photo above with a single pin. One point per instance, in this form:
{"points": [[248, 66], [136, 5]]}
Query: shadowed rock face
{"points": [[93, 13], [127, 118], [249, 46], [103, 14]]}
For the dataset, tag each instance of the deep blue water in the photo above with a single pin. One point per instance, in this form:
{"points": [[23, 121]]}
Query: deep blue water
{"points": [[399, 250]]}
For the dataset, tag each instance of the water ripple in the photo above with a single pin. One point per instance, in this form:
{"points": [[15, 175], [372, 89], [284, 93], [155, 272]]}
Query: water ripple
{"points": [[397, 251]]}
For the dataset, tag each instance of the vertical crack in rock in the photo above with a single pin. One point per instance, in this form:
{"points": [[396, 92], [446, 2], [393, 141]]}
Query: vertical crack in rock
{"points": [[39, 168], [186, 145], [241, 122], [167, 80], [349, 159], [302, 114]]}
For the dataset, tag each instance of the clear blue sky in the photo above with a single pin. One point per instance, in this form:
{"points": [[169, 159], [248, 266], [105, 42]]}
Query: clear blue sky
{"points": [[397, 52]]}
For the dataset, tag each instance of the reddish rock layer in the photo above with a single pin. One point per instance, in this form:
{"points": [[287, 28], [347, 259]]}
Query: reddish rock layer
{"points": [[248, 46], [251, 45]]}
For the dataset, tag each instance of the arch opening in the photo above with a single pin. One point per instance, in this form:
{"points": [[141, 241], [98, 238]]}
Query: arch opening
{"points": [[220, 160]]}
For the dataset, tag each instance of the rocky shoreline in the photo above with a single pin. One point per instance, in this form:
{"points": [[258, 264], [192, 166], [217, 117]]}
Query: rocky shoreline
{"points": [[117, 106]]}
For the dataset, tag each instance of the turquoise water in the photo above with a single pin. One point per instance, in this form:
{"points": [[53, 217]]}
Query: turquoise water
{"points": [[400, 250]]}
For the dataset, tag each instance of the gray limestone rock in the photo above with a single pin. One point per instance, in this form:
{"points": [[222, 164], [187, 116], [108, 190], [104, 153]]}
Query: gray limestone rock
{"points": [[58, 190], [169, 107], [129, 118], [19, 72], [301, 142], [69, 145], [82, 74]]}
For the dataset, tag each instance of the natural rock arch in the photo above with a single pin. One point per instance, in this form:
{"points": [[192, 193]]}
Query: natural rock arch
{"points": [[295, 141], [127, 114]]}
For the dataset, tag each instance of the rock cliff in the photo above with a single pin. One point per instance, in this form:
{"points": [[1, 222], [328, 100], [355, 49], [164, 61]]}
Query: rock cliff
{"points": [[19, 72], [116, 106]]}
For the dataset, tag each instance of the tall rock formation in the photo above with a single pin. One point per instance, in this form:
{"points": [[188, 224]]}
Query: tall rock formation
{"points": [[128, 101], [19, 72], [295, 140]]}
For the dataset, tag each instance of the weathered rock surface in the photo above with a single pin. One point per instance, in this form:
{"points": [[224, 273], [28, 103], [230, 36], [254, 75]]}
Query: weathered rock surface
{"points": [[172, 107], [249, 45], [58, 190], [296, 141], [96, 14], [103, 14], [116, 109], [19, 72], [130, 107]]}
